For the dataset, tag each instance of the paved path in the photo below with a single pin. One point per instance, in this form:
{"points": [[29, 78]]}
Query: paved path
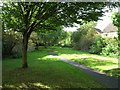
{"points": [[110, 82]]}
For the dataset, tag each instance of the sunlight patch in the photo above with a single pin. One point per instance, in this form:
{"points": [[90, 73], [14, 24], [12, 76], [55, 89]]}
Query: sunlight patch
{"points": [[46, 57], [40, 85], [107, 67], [9, 86], [78, 56], [49, 57]]}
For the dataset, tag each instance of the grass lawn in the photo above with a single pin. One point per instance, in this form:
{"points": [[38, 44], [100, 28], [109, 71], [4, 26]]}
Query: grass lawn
{"points": [[45, 71], [107, 65]]}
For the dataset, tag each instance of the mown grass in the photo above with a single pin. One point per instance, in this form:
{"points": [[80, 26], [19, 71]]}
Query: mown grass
{"points": [[107, 65], [44, 71]]}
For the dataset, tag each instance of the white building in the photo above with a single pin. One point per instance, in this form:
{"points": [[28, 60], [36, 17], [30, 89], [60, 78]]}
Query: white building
{"points": [[105, 26]]}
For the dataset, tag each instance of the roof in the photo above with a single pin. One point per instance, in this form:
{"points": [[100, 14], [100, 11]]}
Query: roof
{"points": [[107, 28], [102, 24], [106, 24]]}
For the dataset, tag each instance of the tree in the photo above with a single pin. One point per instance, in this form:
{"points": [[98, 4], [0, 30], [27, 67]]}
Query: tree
{"points": [[26, 17], [116, 22], [84, 37], [52, 37]]}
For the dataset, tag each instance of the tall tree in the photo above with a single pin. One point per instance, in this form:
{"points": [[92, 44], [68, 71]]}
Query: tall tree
{"points": [[26, 17], [116, 22]]}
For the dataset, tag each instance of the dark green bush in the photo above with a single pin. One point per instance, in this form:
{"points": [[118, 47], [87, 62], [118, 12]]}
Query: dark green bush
{"points": [[84, 37], [10, 40], [98, 44]]}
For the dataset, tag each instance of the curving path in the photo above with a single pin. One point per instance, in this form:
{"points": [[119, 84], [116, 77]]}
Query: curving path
{"points": [[109, 81]]}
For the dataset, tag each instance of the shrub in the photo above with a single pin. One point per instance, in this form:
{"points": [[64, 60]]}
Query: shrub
{"points": [[31, 46], [33, 42], [84, 37], [10, 40], [105, 46], [66, 42], [98, 44], [111, 48]]}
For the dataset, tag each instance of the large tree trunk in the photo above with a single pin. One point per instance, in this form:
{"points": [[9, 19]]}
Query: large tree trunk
{"points": [[24, 51]]}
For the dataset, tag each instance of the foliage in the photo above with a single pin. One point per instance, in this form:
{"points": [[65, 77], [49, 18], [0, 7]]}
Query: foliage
{"points": [[50, 38], [111, 47], [98, 44], [34, 41], [67, 41], [105, 46], [11, 44], [116, 22], [84, 37], [23, 16]]}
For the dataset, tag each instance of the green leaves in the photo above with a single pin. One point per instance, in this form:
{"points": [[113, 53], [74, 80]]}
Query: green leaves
{"points": [[116, 19], [116, 22], [84, 37], [29, 16]]}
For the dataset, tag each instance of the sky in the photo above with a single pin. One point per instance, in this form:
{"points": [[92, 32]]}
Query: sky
{"points": [[101, 24], [72, 29]]}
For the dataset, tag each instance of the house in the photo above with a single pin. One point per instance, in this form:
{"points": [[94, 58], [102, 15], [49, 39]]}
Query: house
{"points": [[109, 30], [105, 26]]}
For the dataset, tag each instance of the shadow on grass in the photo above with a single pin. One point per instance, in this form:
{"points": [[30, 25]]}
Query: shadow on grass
{"points": [[46, 72], [67, 51]]}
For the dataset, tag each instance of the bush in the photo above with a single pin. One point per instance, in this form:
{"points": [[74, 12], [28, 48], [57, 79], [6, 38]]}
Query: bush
{"points": [[105, 46], [33, 42], [98, 44], [111, 48], [84, 37], [66, 42], [10, 40]]}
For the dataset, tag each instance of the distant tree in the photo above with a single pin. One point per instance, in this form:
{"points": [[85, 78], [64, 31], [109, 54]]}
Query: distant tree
{"points": [[26, 17], [84, 37], [34, 37], [53, 37], [66, 42], [116, 22]]}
